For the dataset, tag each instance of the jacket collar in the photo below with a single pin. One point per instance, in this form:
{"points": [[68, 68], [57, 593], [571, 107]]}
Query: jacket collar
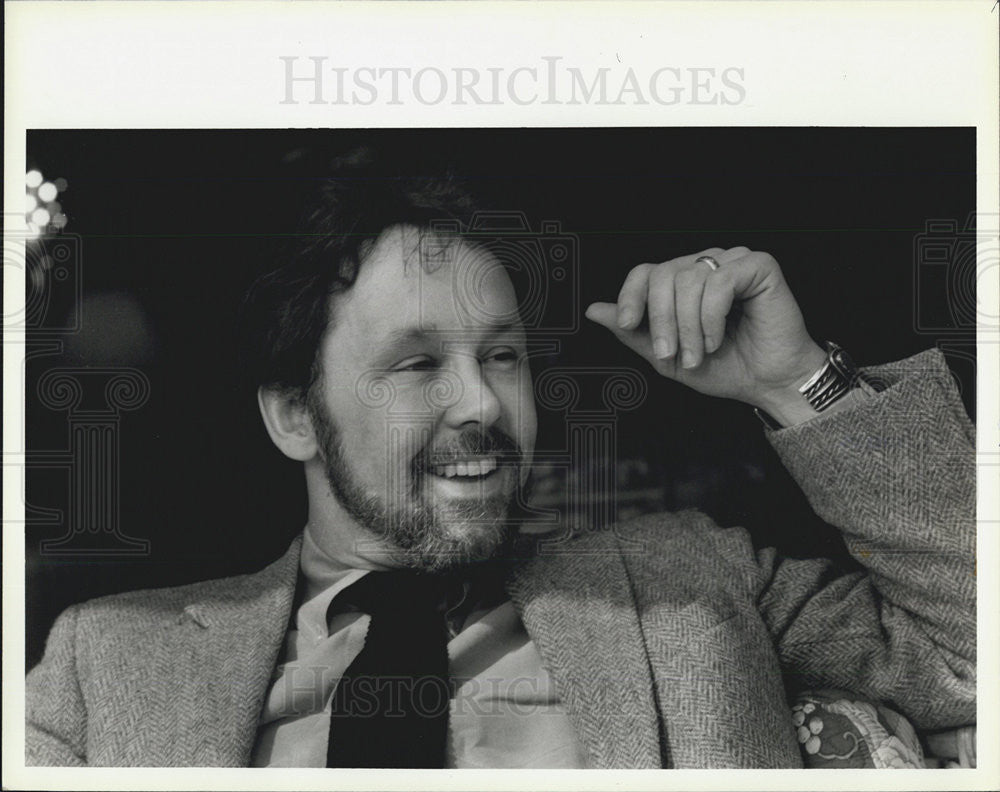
{"points": [[575, 602]]}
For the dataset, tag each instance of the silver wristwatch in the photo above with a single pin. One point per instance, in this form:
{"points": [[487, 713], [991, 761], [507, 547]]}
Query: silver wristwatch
{"points": [[831, 382]]}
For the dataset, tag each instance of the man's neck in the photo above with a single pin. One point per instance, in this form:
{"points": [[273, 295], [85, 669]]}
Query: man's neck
{"points": [[345, 545]]}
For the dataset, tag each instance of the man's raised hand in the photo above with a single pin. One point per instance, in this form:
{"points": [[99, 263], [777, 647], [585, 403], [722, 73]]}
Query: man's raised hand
{"points": [[674, 314]]}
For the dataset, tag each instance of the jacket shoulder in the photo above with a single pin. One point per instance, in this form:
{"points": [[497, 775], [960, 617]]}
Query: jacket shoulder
{"points": [[687, 536], [140, 609], [679, 533]]}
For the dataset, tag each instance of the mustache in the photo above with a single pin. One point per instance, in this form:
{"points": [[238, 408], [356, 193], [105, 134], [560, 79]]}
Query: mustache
{"points": [[472, 442]]}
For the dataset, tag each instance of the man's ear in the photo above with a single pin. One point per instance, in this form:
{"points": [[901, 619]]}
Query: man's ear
{"points": [[287, 420]]}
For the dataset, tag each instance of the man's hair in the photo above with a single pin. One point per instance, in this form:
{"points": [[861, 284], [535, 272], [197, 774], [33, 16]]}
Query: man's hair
{"points": [[286, 311]]}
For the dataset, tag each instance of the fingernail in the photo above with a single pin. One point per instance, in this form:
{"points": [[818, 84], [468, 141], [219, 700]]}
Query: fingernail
{"points": [[687, 359], [624, 318], [661, 348]]}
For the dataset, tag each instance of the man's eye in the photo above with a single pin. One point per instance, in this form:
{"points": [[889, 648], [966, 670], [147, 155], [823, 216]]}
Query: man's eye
{"points": [[417, 364], [504, 356]]}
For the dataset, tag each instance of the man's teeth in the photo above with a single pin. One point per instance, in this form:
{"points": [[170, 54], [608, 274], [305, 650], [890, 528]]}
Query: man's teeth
{"points": [[469, 468]]}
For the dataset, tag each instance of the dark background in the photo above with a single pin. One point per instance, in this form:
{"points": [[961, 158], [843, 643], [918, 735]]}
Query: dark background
{"points": [[173, 226]]}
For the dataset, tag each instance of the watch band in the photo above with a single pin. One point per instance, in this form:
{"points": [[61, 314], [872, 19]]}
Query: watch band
{"points": [[833, 379], [837, 377]]}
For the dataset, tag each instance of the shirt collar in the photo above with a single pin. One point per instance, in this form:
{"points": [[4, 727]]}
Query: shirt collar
{"points": [[326, 572]]}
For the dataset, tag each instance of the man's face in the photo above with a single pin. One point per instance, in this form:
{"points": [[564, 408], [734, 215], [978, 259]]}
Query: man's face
{"points": [[424, 413]]}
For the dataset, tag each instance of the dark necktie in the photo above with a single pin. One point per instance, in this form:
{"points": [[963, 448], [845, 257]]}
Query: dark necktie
{"points": [[390, 709]]}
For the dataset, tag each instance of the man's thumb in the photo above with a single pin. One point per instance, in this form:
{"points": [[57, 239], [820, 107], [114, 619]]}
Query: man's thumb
{"points": [[605, 314]]}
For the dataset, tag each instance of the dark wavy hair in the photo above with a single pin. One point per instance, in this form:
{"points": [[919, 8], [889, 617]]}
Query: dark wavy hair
{"points": [[287, 311]]}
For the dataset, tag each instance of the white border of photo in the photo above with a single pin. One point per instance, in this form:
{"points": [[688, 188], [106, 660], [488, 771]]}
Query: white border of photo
{"points": [[160, 65]]}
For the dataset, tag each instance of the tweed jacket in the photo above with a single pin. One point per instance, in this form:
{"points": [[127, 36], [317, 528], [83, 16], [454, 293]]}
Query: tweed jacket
{"points": [[673, 642]]}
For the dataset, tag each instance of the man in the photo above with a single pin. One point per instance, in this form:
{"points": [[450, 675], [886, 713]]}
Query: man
{"points": [[409, 627]]}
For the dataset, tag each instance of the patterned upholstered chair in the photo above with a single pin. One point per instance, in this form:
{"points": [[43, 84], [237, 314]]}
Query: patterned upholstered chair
{"points": [[838, 729]]}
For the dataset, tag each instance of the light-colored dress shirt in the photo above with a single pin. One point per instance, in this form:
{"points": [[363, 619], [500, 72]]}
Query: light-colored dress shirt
{"points": [[504, 712]]}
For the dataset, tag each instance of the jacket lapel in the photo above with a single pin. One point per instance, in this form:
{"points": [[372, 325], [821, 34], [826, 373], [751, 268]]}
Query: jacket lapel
{"points": [[718, 684], [576, 603], [230, 637], [219, 655]]}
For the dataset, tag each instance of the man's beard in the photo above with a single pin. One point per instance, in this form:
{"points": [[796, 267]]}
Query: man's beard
{"points": [[433, 537]]}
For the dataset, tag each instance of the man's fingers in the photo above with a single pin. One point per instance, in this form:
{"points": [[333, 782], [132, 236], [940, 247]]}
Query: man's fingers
{"points": [[662, 313], [732, 254], [715, 304], [632, 297], [606, 314], [741, 273], [689, 286], [687, 303], [751, 272]]}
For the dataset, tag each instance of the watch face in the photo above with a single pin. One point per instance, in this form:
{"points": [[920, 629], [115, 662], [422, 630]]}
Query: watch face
{"points": [[842, 361]]}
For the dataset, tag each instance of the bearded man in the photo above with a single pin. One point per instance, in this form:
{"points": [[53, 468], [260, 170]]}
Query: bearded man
{"points": [[411, 625]]}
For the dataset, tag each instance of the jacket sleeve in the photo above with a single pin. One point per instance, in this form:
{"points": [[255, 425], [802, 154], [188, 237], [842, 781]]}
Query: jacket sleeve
{"points": [[56, 718], [896, 475]]}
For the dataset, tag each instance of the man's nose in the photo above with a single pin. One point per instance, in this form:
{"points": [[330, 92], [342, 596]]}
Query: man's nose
{"points": [[475, 400]]}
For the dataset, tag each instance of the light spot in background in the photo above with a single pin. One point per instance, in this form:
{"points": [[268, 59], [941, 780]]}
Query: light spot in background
{"points": [[42, 210], [114, 331], [47, 192]]}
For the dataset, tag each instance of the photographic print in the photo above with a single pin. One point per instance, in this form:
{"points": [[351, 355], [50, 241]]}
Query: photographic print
{"points": [[404, 395], [430, 324]]}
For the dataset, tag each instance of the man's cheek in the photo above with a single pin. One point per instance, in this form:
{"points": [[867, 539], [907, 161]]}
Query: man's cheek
{"points": [[398, 449], [366, 446], [528, 427]]}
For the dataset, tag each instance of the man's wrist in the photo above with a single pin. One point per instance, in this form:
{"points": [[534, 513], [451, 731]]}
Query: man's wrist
{"points": [[828, 382], [785, 404], [794, 413]]}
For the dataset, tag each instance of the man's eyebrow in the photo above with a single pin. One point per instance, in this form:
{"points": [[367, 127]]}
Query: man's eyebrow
{"points": [[499, 328], [404, 335], [417, 333]]}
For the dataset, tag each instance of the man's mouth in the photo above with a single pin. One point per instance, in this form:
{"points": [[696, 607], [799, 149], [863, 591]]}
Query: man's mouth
{"points": [[470, 468], [471, 465]]}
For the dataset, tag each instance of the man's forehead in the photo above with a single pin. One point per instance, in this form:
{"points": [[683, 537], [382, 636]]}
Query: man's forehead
{"points": [[421, 281]]}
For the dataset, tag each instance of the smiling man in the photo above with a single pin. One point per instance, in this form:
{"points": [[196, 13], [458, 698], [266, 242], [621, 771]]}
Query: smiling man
{"points": [[421, 416], [411, 626]]}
